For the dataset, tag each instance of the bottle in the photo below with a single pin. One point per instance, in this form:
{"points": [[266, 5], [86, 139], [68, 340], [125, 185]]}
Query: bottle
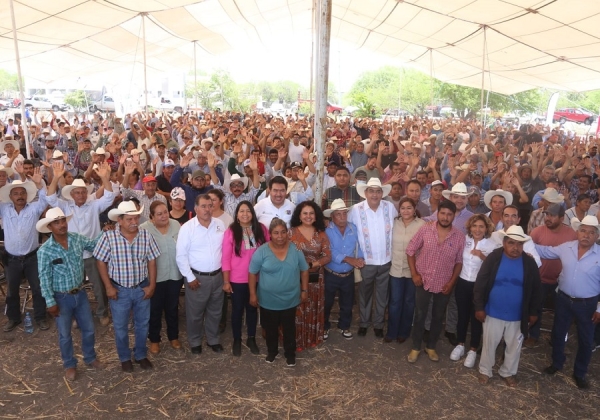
{"points": [[28, 324]]}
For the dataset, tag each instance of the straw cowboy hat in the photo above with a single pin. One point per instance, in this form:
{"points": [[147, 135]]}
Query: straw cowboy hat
{"points": [[52, 214], [458, 189], [487, 197], [586, 221], [6, 169], [15, 144], [552, 196], [373, 183], [100, 151], [126, 207], [338, 204], [516, 232], [236, 177], [28, 185], [77, 183]]}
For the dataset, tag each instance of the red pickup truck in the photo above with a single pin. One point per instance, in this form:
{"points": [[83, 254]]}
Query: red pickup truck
{"points": [[577, 115]]}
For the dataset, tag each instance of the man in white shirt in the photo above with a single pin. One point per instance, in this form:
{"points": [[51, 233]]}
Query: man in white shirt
{"points": [[275, 205], [510, 217], [374, 217], [296, 149], [86, 209], [199, 249]]}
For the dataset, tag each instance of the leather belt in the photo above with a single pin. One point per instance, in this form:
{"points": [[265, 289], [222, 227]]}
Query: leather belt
{"points": [[21, 257], [73, 291], [338, 274], [574, 299], [208, 274], [128, 287]]}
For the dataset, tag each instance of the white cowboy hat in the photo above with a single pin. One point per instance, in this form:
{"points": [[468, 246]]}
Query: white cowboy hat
{"points": [[57, 154], [463, 167], [6, 169], [587, 221], [236, 177], [337, 204], [77, 183], [515, 232], [373, 183], [15, 144], [28, 185], [552, 196], [458, 189], [55, 213], [100, 151], [207, 140], [487, 197], [126, 207]]}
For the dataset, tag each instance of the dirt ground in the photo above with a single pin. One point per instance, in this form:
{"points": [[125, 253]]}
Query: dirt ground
{"points": [[363, 378]]}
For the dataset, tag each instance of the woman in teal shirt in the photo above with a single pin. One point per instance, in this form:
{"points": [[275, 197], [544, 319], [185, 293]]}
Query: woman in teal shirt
{"points": [[283, 284]]}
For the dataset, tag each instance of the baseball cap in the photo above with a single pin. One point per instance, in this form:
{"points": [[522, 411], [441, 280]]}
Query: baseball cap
{"points": [[149, 178], [177, 193], [436, 183], [296, 165], [332, 162], [555, 210], [168, 162], [173, 150], [247, 162], [474, 189], [197, 174]]}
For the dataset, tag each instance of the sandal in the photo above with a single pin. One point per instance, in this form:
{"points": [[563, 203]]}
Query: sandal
{"points": [[511, 381]]}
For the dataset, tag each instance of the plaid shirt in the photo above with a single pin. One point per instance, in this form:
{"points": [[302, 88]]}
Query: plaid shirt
{"points": [[127, 262], [349, 195], [60, 269], [435, 261]]}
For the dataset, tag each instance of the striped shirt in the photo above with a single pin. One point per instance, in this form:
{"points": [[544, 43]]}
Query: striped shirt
{"points": [[127, 262], [61, 270]]}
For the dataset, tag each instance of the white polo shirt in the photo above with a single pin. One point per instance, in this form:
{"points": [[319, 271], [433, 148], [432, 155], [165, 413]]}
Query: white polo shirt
{"points": [[266, 211]]}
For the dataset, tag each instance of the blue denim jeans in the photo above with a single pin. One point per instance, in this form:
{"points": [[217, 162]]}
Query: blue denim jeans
{"points": [[547, 290], [76, 306], [345, 286], [128, 301], [401, 308], [565, 312]]}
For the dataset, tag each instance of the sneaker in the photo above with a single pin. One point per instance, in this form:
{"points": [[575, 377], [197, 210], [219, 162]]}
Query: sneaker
{"points": [[291, 361], [457, 353], [325, 334], [470, 359], [270, 357], [347, 334]]}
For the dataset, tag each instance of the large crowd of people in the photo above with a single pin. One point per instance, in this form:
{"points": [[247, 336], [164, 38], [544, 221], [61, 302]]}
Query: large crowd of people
{"points": [[439, 225]]}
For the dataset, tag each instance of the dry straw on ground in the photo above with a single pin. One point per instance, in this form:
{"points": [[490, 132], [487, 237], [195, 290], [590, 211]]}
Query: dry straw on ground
{"points": [[359, 379]]}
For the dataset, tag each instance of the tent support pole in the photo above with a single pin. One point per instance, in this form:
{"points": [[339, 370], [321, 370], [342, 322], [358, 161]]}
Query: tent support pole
{"points": [[431, 75], [195, 77], [143, 15], [21, 90], [322, 90], [483, 81]]}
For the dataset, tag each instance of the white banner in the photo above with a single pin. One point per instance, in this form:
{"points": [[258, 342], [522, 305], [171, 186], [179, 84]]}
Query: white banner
{"points": [[551, 108]]}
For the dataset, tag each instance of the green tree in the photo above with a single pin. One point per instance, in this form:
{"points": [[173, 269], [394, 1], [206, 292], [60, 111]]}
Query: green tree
{"points": [[390, 87], [8, 81], [77, 99], [203, 91]]}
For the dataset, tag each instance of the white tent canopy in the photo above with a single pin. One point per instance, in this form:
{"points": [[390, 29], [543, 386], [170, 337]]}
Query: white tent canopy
{"points": [[529, 43]]}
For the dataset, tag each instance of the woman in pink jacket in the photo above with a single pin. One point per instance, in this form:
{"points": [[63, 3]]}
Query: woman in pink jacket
{"points": [[240, 241]]}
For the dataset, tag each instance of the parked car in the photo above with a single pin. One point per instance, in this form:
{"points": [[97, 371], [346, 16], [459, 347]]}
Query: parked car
{"points": [[577, 115], [106, 104], [42, 102], [4, 105]]}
